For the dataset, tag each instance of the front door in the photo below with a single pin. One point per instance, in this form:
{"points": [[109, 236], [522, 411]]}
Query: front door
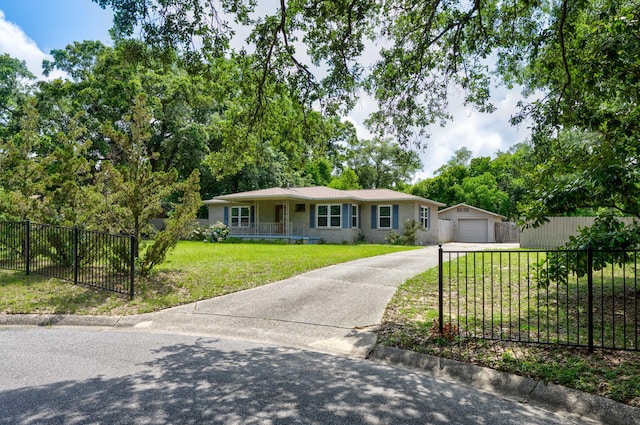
{"points": [[280, 219]]}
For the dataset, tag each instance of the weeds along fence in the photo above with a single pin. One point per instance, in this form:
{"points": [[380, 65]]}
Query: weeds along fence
{"points": [[587, 298], [96, 259]]}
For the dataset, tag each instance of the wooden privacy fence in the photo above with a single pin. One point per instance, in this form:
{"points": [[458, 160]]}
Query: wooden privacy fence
{"points": [[556, 232], [533, 297], [506, 232], [446, 231], [83, 257]]}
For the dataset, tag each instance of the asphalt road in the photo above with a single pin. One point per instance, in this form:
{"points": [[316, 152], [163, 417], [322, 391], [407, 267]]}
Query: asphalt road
{"points": [[87, 376]]}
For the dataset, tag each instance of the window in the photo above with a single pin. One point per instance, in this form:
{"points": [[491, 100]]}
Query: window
{"points": [[240, 216], [354, 216], [329, 215], [384, 217], [425, 212]]}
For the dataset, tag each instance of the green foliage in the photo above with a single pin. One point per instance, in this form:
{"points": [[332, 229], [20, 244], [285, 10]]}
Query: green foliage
{"points": [[176, 225], [347, 180], [496, 185], [381, 163], [134, 193], [217, 232], [408, 237], [13, 90], [482, 192]]}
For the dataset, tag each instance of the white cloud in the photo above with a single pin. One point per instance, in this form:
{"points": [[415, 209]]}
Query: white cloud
{"points": [[482, 134], [17, 44]]}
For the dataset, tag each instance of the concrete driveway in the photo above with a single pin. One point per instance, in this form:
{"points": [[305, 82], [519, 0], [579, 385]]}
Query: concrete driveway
{"points": [[335, 309]]}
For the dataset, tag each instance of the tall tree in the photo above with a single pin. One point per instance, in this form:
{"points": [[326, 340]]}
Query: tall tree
{"points": [[497, 184], [14, 90], [580, 56], [134, 193], [381, 163]]}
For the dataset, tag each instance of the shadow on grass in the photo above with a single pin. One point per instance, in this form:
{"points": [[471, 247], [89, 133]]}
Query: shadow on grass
{"points": [[25, 294]]}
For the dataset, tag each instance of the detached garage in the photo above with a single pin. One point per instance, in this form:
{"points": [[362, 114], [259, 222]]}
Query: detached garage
{"points": [[471, 224]]}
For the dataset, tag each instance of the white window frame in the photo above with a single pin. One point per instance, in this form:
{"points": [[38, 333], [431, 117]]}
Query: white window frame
{"points": [[355, 215], [237, 219], [329, 216], [425, 219], [389, 217]]}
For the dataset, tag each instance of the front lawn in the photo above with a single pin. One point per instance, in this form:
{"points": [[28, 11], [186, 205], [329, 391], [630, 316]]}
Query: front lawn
{"points": [[193, 271]]}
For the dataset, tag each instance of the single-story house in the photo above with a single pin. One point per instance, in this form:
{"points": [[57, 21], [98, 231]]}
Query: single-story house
{"points": [[322, 213], [471, 224]]}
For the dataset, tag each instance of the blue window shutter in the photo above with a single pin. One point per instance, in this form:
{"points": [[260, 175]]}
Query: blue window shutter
{"points": [[395, 213], [312, 214], [346, 211], [226, 216], [252, 215], [374, 216]]}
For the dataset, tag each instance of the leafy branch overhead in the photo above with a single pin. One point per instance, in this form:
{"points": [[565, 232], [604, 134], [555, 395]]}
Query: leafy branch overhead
{"points": [[409, 54]]}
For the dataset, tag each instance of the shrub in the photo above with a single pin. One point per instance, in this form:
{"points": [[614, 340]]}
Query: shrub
{"points": [[408, 236], [393, 238], [213, 233]]}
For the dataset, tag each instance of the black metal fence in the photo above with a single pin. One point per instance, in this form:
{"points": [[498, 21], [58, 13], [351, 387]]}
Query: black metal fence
{"points": [[84, 257], [588, 298]]}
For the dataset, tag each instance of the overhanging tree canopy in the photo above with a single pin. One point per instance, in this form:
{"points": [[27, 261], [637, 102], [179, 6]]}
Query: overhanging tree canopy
{"points": [[581, 58]]}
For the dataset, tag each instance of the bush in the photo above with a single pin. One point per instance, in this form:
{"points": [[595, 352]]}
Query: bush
{"points": [[614, 241], [408, 236], [393, 238], [213, 233]]}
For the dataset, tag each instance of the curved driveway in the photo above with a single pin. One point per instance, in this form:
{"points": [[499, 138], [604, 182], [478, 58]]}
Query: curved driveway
{"points": [[335, 309]]}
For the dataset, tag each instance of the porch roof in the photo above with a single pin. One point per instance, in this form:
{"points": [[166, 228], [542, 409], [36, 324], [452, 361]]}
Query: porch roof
{"points": [[321, 193]]}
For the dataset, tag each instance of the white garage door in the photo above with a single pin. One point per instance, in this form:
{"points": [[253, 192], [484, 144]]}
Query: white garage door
{"points": [[473, 230]]}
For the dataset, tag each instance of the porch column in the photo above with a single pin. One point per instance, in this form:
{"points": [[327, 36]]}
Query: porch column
{"points": [[286, 219], [256, 219]]}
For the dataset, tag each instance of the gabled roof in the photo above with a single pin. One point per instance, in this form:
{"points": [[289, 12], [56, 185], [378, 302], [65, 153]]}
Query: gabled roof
{"points": [[321, 193], [463, 205]]}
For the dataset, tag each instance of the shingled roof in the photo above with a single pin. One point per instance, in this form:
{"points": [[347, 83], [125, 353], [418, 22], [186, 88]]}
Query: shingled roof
{"points": [[321, 193]]}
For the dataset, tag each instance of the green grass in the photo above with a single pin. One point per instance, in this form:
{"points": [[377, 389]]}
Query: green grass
{"points": [[193, 271], [408, 323]]}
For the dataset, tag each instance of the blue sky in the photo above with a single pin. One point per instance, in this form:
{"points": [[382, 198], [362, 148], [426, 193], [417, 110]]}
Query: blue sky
{"points": [[30, 29], [53, 24]]}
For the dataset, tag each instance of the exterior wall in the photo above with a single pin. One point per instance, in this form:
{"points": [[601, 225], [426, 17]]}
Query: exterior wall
{"points": [[406, 211], [331, 235], [216, 214], [427, 236], [454, 216], [300, 221]]}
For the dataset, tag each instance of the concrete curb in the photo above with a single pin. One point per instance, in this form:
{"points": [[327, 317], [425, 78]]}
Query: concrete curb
{"points": [[515, 387], [510, 386], [72, 320]]}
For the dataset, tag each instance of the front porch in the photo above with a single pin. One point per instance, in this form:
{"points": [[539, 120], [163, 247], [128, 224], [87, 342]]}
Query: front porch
{"points": [[269, 219]]}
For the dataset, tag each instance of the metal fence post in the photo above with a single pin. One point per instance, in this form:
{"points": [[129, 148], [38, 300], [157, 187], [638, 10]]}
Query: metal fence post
{"points": [[440, 292], [132, 265], [27, 247], [590, 296], [75, 254]]}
